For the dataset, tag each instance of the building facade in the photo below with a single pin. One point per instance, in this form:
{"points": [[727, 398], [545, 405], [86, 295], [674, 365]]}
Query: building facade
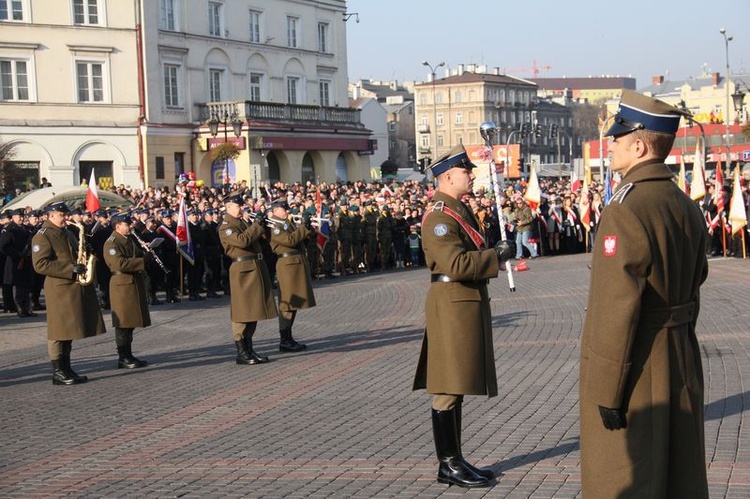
{"points": [[449, 111], [127, 87]]}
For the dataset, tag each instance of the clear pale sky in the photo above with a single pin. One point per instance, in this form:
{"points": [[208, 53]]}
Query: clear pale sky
{"points": [[576, 38]]}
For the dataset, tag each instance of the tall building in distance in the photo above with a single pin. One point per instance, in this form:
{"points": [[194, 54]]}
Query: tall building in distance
{"points": [[144, 90]]}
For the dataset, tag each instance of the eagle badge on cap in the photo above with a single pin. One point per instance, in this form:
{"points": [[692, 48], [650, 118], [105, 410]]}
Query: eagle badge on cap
{"points": [[277, 231], [610, 245], [112, 251], [228, 232], [286, 226], [35, 248], [441, 230]]}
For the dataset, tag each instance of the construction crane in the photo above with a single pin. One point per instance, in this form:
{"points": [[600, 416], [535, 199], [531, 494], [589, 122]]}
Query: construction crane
{"points": [[534, 69]]}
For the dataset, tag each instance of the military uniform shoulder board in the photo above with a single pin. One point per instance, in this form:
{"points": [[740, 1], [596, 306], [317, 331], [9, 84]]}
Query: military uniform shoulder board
{"points": [[224, 222], [42, 230], [111, 238], [619, 196]]}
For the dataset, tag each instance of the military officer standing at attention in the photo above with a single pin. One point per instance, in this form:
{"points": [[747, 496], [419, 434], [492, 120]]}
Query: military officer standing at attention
{"points": [[292, 272], [641, 379], [128, 293], [252, 296], [457, 356], [72, 307]]}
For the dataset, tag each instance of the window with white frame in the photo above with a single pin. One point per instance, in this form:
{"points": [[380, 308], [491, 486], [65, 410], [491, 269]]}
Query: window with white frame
{"points": [[292, 89], [14, 77], [215, 83], [292, 31], [424, 119], [86, 12], [438, 98], [90, 81], [424, 140], [323, 38], [172, 85], [256, 87], [440, 141], [12, 10], [325, 92], [214, 19], [457, 97], [254, 26], [439, 118], [168, 16], [459, 118]]}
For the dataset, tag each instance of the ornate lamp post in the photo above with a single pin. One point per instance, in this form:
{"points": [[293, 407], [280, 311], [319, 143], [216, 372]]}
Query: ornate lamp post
{"points": [[213, 127], [434, 100], [738, 98]]}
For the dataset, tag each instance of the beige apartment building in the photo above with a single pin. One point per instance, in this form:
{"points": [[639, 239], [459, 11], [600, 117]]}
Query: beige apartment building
{"points": [[450, 109], [129, 87]]}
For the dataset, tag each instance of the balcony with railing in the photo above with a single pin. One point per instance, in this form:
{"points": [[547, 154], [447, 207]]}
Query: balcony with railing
{"points": [[273, 112], [423, 128]]}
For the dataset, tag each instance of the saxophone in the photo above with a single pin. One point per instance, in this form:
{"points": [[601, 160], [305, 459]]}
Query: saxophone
{"points": [[84, 257]]}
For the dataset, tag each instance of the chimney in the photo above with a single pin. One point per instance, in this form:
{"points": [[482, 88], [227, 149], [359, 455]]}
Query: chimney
{"points": [[657, 80], [715, 79], [460, 69]]}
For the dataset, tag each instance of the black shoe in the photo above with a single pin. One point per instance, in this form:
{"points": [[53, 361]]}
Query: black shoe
{"points": [[452, 469], [248, 356], [196, 298], [38, 306], [212, 295], [155, 301], [68, 369], [483, 472], [291, 345], [126, 359], [60, 376], [26, 313]]}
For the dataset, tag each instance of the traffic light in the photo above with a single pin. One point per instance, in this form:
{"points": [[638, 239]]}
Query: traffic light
{"points": [[520, 158], [525, 128], [553, 132], [538, 130]]}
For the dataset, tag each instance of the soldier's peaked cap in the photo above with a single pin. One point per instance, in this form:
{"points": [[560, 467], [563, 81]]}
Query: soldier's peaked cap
{"points": [[121, 217], [59, 206], [234, 197], [456, 158], [640, 112], [280, 203]]}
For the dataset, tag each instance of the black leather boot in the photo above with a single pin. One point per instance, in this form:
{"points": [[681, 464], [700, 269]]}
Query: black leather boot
{"points": [[68, 369], [288, 344], [484, 472], [452, 468], [126, 360], [154, 300], [59, 375], [246, 354]]}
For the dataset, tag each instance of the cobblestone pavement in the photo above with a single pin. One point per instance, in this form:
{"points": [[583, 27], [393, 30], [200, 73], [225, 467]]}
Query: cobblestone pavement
{"points": [[339, 420]]}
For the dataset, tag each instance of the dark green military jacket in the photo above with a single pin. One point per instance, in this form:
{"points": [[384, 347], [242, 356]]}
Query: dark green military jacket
{"points": [[457, 355], [639, 350], [127, 287], [72, 310]]}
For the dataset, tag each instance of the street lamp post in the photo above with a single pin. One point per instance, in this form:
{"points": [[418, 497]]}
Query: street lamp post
{"points": [[226, 119], [434, 100], [727, 39]]}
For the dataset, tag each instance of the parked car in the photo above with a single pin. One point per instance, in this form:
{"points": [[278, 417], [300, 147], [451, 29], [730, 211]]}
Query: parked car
{"points": [[74, 197]]}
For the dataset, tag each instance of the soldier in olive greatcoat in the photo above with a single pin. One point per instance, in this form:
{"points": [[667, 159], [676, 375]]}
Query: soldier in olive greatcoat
{"points": [[15, 244], [457, 356], [292, 272], [73, 310], [641, 379], [128, 293], [252, 297]]}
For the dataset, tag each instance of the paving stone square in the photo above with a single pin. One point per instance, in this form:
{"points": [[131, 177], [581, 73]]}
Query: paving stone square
{"points": [[339, 419]]}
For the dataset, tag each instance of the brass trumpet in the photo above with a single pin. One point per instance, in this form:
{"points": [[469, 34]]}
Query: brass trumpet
{"points": [[84, 258], [253, 216], [319, 221]]}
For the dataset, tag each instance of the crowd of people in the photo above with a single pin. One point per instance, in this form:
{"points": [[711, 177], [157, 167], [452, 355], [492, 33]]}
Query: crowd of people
{"points": [[364, 226]]}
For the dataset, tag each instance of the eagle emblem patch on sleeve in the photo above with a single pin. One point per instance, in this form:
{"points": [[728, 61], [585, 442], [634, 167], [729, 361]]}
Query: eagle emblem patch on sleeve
{"points": [[610, 245], [112, 251], [35, 248], [441, 230], [228, 232]]}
